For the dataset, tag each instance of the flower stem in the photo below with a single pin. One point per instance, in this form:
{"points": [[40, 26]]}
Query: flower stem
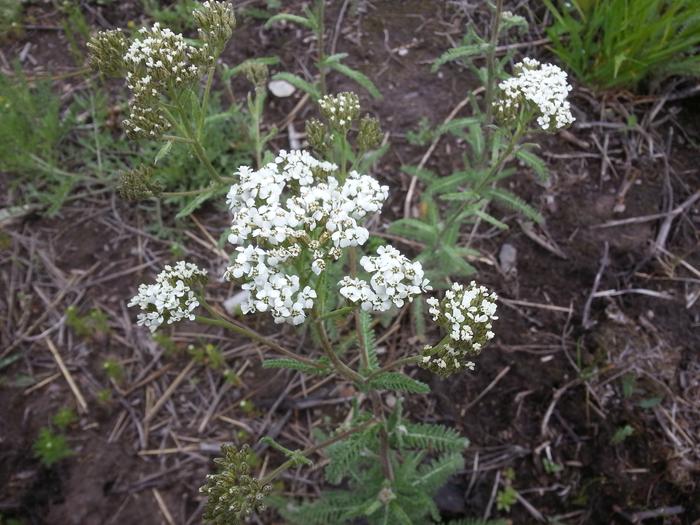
{"points": [[490, 78], [221, 321]]}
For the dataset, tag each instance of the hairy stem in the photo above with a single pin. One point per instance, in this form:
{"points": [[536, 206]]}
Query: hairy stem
{"points": [[490, 78], [321, 15], [221, 321], [343, 369], [205, 101]]}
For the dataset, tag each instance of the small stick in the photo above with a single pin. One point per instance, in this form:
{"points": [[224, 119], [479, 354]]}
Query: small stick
{"points": [[42, 383], [169, 391], [163, 508], [69, 378], [586, 322]]}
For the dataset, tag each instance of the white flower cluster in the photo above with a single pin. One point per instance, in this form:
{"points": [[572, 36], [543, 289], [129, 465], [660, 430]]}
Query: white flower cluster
{"points": [[157, 62], [292, 203], [340, 110], [394, 280], [171, 298], [467, 314], [542, 87]]}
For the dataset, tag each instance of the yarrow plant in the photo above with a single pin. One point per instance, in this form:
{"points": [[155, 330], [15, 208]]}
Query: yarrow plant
{"points": [[298, 230], [540, 89], [301, 252], [533, 98]]}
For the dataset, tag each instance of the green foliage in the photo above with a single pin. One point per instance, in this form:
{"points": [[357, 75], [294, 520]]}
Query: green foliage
{"points": [[176, 15], [506, 498], [10, 18], [88, 326], [51, 448], [369, 494], [479, 521], [314, 20], [621, 434], [618, 44], [398, 382], [64, 418], [463, 198], [293, 364]]}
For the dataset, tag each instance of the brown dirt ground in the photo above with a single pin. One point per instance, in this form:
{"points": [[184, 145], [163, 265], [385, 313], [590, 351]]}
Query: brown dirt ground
{"points": [[538, 349]]}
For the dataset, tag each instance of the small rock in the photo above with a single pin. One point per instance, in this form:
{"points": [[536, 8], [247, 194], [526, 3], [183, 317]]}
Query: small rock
{"points": [[281, 88], [508, 259]]}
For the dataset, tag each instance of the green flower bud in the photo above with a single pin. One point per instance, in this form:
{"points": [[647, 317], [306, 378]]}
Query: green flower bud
{"points": [[256, 73], [370, 135], [138, 184], [232, 493], [341, 110], [318, 136], [107, 50], [216, 23]]}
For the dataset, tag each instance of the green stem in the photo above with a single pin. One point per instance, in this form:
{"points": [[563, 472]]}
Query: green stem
{"points": [[250, 334], [412, 360], [307, 452], [343, 369], [205, 101], [321, 15], [490, 79]]}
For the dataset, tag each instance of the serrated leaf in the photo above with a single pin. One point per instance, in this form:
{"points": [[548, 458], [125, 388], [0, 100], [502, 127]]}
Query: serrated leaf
{"points": [[195, 203], [333, 59], [367, 339], [288, 17], [491, 220], [163, 151], [292, 364], [299, 83], [230, 72], [398, 382], [514, 202], [461, 266], [358, 77], [534, 162], [414, 229], [459, 52]]}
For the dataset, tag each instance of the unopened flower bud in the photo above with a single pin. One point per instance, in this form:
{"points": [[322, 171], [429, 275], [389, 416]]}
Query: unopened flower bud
{"points": [[341, 110], [107, 50], [232, 493], [370, 135], [216, 23], [317, 135], [256, 73], [138, 184]]}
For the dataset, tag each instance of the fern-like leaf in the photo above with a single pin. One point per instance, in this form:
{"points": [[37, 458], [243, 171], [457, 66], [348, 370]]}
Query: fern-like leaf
{"points": [[435, 474], [368, 341], [398, 382], [292, 364], [459, 52], [425, 436], [514, 202], [358, 77]]}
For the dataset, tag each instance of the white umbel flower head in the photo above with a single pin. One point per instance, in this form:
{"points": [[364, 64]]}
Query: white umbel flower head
{"points": [[290, 208], [466, 313], [535, 89], [393, 281], [171, 298]]}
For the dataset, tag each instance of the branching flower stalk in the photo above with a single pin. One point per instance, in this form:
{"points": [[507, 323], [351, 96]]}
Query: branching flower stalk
{"points": [[298, 224]]}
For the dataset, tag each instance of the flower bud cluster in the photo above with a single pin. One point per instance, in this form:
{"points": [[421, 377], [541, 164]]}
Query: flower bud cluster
{"points": [[393, 281], [233, 494], [216, 23], [107, 50], [171, 298], [466, 314], [159, 62], [340, 110], [138, 184], [536, 89], [289, 211]]}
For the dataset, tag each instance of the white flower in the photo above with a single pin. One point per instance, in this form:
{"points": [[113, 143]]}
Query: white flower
{"points": [[292, 205], [171, 298], [393, 281], [542, 86]]}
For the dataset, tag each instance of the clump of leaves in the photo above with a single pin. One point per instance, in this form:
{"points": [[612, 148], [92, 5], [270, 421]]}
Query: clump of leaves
{"points": [[51, 448], [64, 418], [90, 325], [618, 44]]}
